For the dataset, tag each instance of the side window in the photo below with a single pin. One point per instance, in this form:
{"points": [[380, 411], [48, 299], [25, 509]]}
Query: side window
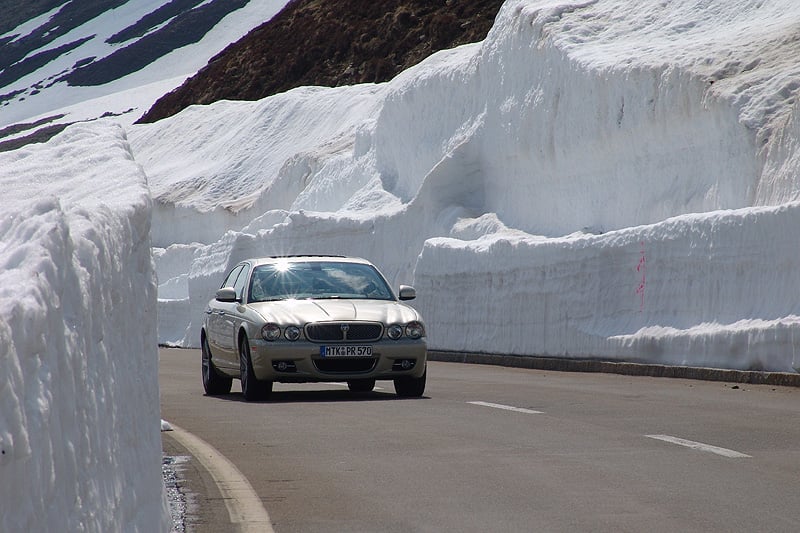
{"points": [[230, 280], [240, 282]]}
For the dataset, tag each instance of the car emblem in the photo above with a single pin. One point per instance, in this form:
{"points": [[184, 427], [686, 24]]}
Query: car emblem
{"points": [[345, 328]]}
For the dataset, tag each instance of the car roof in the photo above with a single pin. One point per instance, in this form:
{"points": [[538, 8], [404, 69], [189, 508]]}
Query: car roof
{"points": [[306, 259]]}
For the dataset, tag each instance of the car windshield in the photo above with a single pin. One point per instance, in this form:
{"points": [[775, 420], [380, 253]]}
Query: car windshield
{"points": [[317, 280]]}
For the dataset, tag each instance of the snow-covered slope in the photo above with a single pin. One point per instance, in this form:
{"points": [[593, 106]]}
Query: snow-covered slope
{"points": [[594, 179], [80, 446], [120, 61]]}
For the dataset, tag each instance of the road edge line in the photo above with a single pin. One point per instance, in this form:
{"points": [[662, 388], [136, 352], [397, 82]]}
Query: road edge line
{"points": [[244, 506], [627, 368]]}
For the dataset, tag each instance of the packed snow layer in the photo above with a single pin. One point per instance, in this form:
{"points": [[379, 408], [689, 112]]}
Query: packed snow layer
{"points": [[525, 184], [80, 446]]}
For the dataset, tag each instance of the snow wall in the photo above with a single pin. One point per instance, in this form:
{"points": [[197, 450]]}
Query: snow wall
{"points": [[594, 179], [80, 444]]}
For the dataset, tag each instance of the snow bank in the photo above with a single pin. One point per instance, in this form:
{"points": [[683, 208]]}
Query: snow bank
{"points": [[233, 161], [528, 175], [80, 446], [710, 289]]}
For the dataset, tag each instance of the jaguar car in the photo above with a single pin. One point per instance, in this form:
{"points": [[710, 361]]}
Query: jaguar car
{"points": [[298, 319]]}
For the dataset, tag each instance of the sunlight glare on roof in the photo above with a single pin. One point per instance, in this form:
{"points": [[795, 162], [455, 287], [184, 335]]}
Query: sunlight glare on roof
{"points": [[283, 265]]}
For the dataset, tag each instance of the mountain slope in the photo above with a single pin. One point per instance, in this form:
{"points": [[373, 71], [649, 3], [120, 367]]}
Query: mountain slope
{"points": [[63, 62], [331, 43]]}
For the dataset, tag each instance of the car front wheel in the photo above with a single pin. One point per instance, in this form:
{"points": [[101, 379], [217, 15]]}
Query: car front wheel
{"points": [[252, 388], [213, 382], [408, 387]]}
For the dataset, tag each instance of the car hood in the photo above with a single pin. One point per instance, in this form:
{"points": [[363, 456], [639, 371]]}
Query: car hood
{"points": [[300, 312]]}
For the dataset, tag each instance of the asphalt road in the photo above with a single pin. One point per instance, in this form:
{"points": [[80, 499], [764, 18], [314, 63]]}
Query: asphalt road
{"points": [[498, 449]]}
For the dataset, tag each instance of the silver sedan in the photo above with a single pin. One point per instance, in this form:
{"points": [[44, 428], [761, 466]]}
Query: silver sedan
{"points": [[311, 319]]}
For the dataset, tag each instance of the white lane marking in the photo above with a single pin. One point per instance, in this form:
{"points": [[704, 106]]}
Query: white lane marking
{"points": [[244, 506], [699, 446], [508, 408]]}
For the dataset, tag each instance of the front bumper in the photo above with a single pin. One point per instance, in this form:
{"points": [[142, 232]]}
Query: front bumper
{"points": [[300, 361]]}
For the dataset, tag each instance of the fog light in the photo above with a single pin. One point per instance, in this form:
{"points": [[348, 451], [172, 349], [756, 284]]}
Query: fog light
{"points": [[404, 364], [284, 366]]}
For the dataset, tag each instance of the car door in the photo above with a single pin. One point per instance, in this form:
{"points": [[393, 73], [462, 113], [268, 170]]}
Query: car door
{"points": [[215, 331], [230, 316]]}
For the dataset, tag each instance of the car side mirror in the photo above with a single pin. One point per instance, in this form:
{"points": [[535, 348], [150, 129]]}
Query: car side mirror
{"points": [[226, 294], [407, 292]]}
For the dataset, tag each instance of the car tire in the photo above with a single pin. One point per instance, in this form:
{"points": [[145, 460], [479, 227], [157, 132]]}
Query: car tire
{"points": [[252, 388], [361, 385], [214, 383], [408, 387]]}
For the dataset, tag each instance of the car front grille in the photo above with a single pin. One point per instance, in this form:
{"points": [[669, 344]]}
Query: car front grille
{"points": [[344, 331], [345, 365]]}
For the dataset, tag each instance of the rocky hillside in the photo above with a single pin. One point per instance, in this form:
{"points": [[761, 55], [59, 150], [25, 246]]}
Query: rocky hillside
{"points": [[331, 43]]}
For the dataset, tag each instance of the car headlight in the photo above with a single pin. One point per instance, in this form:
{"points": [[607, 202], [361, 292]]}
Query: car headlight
{"points": [[292, 333], [415, 330], [271, 332], [395, 331]]}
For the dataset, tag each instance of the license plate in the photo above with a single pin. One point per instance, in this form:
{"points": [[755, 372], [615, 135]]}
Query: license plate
{"points": [[345, 351]]}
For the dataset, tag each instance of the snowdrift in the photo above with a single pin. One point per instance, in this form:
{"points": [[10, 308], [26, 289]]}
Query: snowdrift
{"points": [[595, 179], [80, 445]]}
